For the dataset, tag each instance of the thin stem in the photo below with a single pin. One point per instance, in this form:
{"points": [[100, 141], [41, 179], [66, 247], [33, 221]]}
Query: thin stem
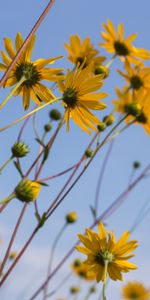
{"points": [[105, 280], [59, 285], [27, 40], [7, 199], [6, 163], [52, 256], [12, 92], [12, 238], [58, 174], [110, 61], [29, 114], [100, 179]]}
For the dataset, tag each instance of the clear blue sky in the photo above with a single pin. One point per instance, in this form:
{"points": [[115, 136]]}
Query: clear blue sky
{"points": [[84, 18]]}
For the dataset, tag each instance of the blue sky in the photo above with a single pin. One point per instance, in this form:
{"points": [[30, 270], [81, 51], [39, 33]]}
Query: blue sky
{"points": [[67, 18]]}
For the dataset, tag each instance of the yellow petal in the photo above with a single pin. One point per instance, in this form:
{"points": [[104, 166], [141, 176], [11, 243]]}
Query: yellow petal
{"points": [[9, 47]]}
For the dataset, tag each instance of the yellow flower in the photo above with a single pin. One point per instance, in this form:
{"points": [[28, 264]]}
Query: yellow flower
{"points": [[102, 249], [138, 103], [137, 77], [135, 290], [116, 43], [83, 53], [82, 270], [33, 72], [78, 97]]}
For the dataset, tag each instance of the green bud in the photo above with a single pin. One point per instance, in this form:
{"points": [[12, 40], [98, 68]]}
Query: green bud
{"points": [[47, 127], [27, 190], [92, 289], [19, 149], [75, 290], [71, 217], [109, 120], [55, 115], [102, 70], [88, 152], [101, 127], [77, 262], [136, 164]]}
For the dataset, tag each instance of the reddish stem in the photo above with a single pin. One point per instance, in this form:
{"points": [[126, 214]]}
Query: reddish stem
{"points": [[27, 40], [58, 174], [12, 238]]}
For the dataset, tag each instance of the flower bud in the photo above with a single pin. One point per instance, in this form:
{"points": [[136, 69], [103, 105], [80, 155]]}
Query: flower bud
{"points": [[47, 127], [74, 289], [77, 262], [136, 164], [71, 217], [133, 109], [55, 115], [27, 190], [101, 127], [92, 289], [12, 255], [88, 153], [102, 70], [109, 120], [19, 149]]}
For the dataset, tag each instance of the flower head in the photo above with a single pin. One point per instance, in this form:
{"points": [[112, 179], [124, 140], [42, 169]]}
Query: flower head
{"points": [[27, 190], [83, 53], [116, 43], [32, 73], [103, 248], [138, 76], [135, 290], [136, 105], [71, 217], [78, 97], [82, 270]]}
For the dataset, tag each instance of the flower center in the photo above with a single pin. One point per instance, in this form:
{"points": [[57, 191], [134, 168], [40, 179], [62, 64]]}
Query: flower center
{"points": [[29, 71], [136, 82], [70, 97], [120, 48], [103, 256], [133, 295]]}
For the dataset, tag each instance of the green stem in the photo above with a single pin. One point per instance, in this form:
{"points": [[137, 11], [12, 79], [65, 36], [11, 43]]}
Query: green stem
{"points": [[12, 91], [6, 163], [110, 61], [105, 280], [7, 199], [30, 113]]}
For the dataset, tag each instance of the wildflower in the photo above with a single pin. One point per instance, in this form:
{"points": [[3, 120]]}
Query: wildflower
{"points": [[28, 74], [71, 217], [103, 250], [109, 120], [137, 105], [74, 290], [82, 270], [78, 97], [27, 190], [12, 255], [137, 77], [135, 290], [83, 53], [114, 42]]}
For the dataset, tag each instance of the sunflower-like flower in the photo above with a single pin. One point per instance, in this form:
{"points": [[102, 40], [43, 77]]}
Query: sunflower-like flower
{"points": [[116, 43], [135, 290], [82, 270], [135, 105], [78, 97], [137, 76], [32, 73], [83, 53], [102, 249]]}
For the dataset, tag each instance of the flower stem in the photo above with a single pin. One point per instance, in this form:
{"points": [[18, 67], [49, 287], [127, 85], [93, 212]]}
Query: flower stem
{"points": [[6, 163], [29, 114], [105, 280], [110, 61], [7, 199], [12, 92]]}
